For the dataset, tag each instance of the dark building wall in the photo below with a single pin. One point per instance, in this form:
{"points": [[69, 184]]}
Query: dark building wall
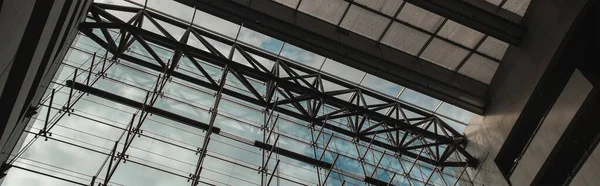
{"points": [[35, 36], [553, 126], [588, 174], [516, 91]]}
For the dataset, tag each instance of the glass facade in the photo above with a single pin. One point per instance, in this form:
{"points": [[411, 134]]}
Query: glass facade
{"points": [[205, 112]]}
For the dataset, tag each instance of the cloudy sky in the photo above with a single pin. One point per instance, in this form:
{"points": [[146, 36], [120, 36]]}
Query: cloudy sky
{"points": [[98, 123]]}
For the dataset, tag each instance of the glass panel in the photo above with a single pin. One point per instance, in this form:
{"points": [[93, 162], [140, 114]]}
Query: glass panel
{"points": [[260, 40], [134, 174], [455, 112], [302, 56], [419, 99], [172, 8], [216, 24], [340, 70], [381, 85], [167, 151]]}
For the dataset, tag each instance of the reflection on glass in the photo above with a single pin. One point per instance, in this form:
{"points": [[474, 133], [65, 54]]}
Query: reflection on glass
{"points": [[340, 70], [455, 112], [166, 152], [260, 40], [419, 99], [302, 56], [381, 85]]}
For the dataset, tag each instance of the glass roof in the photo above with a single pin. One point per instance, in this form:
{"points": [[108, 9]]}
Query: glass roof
{"points": [[166, 151], [418, 32]]}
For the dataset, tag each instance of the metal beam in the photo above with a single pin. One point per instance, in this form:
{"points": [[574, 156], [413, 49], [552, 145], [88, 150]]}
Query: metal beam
{"points": [[359, 52], [136, 104], [281, 85]]}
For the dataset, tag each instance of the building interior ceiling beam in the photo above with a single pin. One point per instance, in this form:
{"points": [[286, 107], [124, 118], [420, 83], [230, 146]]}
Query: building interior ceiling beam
{"points": [[353, 50], [432, 135]]}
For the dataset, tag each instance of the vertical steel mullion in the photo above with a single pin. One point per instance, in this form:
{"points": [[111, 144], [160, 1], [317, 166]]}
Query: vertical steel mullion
{"points": [[270, 153], [378, 162], [404, 173], [87, 83], [265, 138], [104, 63], [273, 173], [360, 160], [368, 147], [314, 145], [460, 176], [415, 162], [430, 175], [331, 169], [315, 142], [214, 113], [129, 138], [45, 131], [129, 130], [325, 148], [110, 163], [272, 128], [437, 147], [391, 179]]}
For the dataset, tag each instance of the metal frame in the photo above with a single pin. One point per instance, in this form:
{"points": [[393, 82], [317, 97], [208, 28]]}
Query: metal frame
{"points": [[292, 92], [354, 50], [429, 134]]}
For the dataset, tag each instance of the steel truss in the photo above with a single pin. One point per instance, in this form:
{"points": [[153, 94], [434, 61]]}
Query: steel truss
{"points": [[427, 138], [303, 95], [291, 90]]}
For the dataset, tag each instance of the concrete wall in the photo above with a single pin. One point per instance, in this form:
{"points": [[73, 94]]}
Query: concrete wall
{"points": [[589, 174], [520, 71], [14, 17], [30, 49], [552, 128]]}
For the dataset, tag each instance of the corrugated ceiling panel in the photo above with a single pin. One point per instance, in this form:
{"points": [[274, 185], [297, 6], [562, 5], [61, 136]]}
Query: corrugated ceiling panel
{"points": [[517, 6], [364, 22], [388, 7], [327, 10], [288, 3], [444, 54], [460, 34], [494, 2], [493, 47], [479, 68], [420, 17], [405, 38]]}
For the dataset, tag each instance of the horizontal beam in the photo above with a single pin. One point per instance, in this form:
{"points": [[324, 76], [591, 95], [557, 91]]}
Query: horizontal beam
{"points": [[265, 77], [159, 40], [356, 51], [269, 57], [293, 155], [135, 104], [377, 182]]}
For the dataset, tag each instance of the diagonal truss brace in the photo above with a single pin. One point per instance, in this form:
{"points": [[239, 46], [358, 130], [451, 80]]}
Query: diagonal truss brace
{"points": [[453, 140]]}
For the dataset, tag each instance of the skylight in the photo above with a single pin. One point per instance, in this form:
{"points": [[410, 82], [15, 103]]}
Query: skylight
{"points": [[127, 119]]}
